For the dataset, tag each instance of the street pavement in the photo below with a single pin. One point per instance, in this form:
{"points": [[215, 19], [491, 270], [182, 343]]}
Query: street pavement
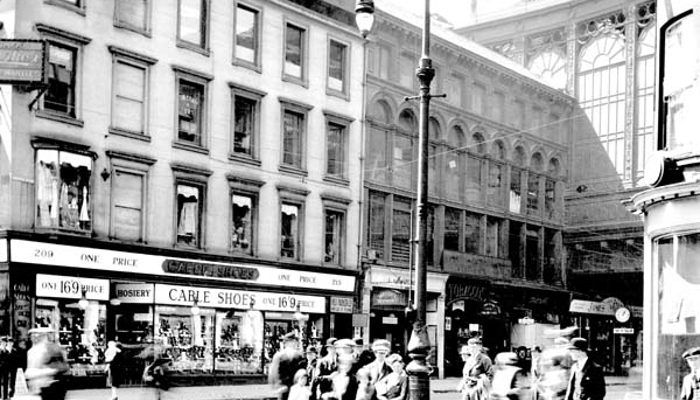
{"points": [[618, 388]]}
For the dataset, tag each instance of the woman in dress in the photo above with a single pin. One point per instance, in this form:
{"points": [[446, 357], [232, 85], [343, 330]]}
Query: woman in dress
{"points": [[477, 372]]}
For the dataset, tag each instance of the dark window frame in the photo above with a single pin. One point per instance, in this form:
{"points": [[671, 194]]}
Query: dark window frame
{"points": [[204, 26]]}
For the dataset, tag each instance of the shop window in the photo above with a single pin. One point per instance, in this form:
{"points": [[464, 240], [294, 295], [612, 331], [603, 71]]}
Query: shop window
{"points": [[239, 342], [290, 230], [401, 230], [532, 254], [334, 236], [79, 330], [295, 52], [336, 150], [473, 181], [128, 194], [133, 324], [193, 17], [191, 111], [472, 233], [376, 231], [189, 203], [186, 338], [242, 230], [129, 94], [133, 14], [247, 36], [60, 96], [452, 222], [337, 66], [63, 193]]}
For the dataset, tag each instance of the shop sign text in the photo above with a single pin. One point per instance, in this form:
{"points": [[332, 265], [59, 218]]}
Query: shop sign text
{"points": [[456, 291], [22, 61], [210, 270], [239, 299], [341, 305], [590, 307], [142, 293], [71, 288]]}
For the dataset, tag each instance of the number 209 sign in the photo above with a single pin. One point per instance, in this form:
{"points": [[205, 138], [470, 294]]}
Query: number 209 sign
{"points": [[68, 287]]}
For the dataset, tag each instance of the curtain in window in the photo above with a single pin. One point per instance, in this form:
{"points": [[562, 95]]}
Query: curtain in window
{"points": [[187, 215], [242, 222], [190, 112], [290, 230]]}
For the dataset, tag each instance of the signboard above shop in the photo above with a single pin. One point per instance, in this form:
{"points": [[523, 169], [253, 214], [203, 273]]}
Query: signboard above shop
{"points": [[23, 62], [30, 252], [68, 287]]}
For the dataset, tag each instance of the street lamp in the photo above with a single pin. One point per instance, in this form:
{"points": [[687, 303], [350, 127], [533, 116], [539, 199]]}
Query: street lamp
{"points": [[419, 344], [301, 321]]}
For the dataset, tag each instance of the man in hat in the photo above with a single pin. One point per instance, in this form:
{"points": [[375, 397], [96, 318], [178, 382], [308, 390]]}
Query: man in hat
{"points": [[586, 381], [5, 368], [285, 363], [311, 364], [378, 368], [46, 365], [691, 382], [477, 371], [363, 355], [326, 366]]}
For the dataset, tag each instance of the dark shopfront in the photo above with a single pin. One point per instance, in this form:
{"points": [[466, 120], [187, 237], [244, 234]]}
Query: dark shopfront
{"points": [[214, 321]]}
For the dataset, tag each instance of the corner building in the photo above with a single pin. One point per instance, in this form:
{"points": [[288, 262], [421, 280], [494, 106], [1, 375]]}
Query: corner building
{"points": [[187, 183], [498, 163]]}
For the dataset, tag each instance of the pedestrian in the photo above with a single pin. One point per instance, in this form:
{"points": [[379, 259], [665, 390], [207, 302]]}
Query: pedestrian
{"points": [[344, 380], [311, 366], [378, 368], [365, 389], [586, 381], [477, 371], [394, 385], [363, 354], [46, 365], [114, 367], [285, 363], [5, 369], [691, 382], [510, 380], [325, 367], [300, 390], [14, 363]]}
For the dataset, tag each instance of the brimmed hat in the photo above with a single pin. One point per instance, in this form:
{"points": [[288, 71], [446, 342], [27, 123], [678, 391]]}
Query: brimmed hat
{"points": [[381, 345], [41, 329], [507, 358], [474, 342], [311, 349], [289, 336], [393, 358], [301, 372], [359, 342], [344, 343], [692, 352], [330, 342], [578, 343]]}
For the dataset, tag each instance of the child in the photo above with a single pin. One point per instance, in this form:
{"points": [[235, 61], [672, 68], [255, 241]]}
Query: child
{"points": [[300, 390]]}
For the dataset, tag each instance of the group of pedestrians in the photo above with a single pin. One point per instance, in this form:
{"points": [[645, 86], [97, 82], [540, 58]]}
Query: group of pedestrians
{"points": [[346, 370], [562, 372]]}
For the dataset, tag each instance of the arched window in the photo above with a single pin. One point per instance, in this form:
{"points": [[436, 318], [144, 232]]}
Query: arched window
{"points": [[646, 77], [495, 191], [601, 93], [433, 135], [407, 121], [474, 166], [403, 155], [533, 184], [551, 191], [516, 184], [550, 66], [498, 150], [478, 144], [454, 163], [381, 112], [377, 143]]}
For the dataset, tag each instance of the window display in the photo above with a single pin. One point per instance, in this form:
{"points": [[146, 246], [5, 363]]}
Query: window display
{"points": [[186, 338], [80, 331], [239, 342], [133, 324]]}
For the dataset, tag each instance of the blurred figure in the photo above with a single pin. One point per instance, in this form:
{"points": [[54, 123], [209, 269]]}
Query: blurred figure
{"points": [[691, 382], [477, 371], [5, 369], [535, 368], [365, 389], [285, 363], [587, 381], [46, 366], [114, 367], [13, 362], [344, 382], [311, 365], [394, 385], [554, 371], [378, 368], [300, 389], [325, 367], [510, 381], [363, 354]]}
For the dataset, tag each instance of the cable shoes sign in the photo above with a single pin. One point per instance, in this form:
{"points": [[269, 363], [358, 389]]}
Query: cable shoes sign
{"points": [[68, 287]]}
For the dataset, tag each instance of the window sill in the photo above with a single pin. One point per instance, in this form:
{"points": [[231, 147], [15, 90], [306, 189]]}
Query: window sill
{"points": [[66, 231], [297, 81], [129, 134], [190, 147], [336, 180], [132, 28], [247, 64], [343, 95], [242, 254], [293, 170], [244, 160], [76, 9], [60, 118], [191, 46]]}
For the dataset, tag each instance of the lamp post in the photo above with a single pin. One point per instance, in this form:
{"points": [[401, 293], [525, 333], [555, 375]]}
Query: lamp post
{"points": [[301, 321], [419, 343]]}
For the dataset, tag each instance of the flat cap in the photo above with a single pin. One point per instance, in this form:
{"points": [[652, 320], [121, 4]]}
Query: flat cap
{"points": [[290, 336], [474, 342], [691, 352], [344, 343], [311, 349], [578, 343], [331, 341], [381, 345]]}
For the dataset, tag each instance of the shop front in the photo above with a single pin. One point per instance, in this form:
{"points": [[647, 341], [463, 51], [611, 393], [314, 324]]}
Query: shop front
{"points": [[387, 294], [212, 320]]}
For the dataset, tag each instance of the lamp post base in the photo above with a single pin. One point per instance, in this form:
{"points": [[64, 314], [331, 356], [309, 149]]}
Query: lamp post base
{"points": [[418, 369]]}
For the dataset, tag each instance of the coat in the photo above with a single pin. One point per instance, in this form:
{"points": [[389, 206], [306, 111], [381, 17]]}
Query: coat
{"points": [[476, 377], [285, 363], [688, 390], [324, 368], [586, 383]]}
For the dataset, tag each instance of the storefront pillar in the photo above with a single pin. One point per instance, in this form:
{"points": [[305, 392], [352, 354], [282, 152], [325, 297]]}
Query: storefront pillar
{"points": [[441, 335]]}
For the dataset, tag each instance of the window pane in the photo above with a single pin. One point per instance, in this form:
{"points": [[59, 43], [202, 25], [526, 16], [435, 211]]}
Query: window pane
{"points": [[188, 208], [472, 233], [401, 231], [61, 93], [493, 236], [127, 197], [292, 139], [336, 152], [290, 231], [473, 189], [454, 175], [74, 198], [244, 125], [376, 155], [333, 237], [246, 34], [403, 161], [452, 222], [336, 66], [533, 193], [377, 214], [133, 13], [192, 15], [191, 96], [242, 229], [293, 51], [550, 199], [48, 185], [495, 184], [515, 190], [129, 84]]}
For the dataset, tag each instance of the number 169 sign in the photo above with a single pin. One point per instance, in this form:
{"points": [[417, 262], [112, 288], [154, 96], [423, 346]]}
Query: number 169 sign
{"points": [[68, 287]]}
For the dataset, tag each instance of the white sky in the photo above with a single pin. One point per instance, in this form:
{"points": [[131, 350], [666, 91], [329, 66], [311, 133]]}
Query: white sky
{"points": [[456, 12]]}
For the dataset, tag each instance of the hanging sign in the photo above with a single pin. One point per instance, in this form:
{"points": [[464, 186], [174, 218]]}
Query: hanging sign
{"points": [[23, 61], [341, 305], [238, 299], [68, 287], [135, 293], [623, 331]]}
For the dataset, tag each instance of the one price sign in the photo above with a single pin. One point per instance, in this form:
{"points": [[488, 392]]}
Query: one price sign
{"points": [[68, 287]]}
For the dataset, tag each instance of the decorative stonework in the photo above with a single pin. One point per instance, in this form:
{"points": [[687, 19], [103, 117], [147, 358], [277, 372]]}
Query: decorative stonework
{"points": [[554, 39], [599, 26]]}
